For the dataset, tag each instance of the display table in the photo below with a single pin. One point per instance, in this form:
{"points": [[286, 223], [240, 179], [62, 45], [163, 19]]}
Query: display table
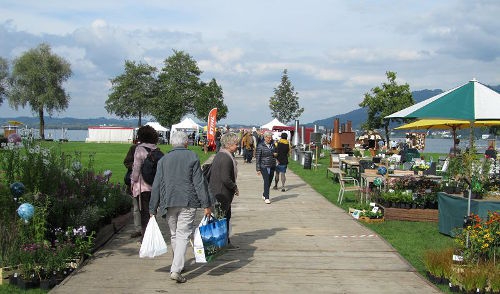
{"points": [[453, 209]]}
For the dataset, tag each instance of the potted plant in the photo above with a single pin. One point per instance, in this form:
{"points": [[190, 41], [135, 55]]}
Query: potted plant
{"points": [[438, 264]]}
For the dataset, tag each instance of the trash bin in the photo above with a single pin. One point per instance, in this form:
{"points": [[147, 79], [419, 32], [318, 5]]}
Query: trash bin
{"points": [[307, 159]]}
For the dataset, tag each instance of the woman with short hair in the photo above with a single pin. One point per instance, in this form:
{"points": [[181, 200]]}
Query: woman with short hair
{"points": [[223, 175], [266, 163]]}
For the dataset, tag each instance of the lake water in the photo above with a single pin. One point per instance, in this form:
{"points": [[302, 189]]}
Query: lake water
{"points": [[432, 145]]}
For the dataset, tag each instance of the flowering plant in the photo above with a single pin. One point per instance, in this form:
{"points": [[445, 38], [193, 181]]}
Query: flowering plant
{"points": [[480, 240], [421, 166]]}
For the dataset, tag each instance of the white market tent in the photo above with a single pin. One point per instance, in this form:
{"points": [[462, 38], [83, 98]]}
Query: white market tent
{"points": [[271, 124], [157, 126], [105, 134], [187, 125]]}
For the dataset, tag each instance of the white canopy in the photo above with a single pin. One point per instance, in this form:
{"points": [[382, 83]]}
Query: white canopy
{"points": [[271, 124], [187, 125], [157, 126]]}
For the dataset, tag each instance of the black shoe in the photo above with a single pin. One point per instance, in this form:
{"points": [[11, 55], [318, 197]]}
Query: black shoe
{"points": [[232, 247], [135, 235], [275, 188]]}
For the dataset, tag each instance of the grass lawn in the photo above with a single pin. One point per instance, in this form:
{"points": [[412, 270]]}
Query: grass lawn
{"points": [[410, 239]]}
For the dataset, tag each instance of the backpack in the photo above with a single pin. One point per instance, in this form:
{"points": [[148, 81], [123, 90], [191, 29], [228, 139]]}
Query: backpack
{"points": [[148, 169], [205, 169]]}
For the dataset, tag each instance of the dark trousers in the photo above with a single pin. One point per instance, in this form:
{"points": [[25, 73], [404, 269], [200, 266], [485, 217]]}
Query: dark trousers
{"points": [[268, 179], [145, 196], [248, 154]]}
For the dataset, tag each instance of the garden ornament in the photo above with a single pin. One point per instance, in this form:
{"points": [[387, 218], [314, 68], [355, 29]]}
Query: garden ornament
{"points": [[17, 189], [26, 211], [377, 182], [382, 170]]}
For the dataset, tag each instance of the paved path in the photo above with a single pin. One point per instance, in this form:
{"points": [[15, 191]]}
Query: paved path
{"points": [[300, 243]]}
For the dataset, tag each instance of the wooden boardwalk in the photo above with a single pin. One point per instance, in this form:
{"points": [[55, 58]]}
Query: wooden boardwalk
{"points": [[300, 243]]}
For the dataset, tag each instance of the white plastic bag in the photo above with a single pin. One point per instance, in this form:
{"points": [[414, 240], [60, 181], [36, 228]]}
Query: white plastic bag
{"points": [[153, 243], [199, 250]]}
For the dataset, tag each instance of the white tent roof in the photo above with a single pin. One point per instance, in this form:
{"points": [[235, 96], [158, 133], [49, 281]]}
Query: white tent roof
{"points": [[272, 123], [157, 126], [186, 124]]}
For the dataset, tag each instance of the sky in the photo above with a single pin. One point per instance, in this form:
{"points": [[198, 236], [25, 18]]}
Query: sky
{"points": [[334, 51]]}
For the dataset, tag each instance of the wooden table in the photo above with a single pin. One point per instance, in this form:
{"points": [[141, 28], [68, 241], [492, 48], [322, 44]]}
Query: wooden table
{"points": [[366, 179], [350, 164], [430, 177]]}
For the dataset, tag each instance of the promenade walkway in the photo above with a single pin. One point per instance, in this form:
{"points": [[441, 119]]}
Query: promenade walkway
{"points": [[300, 243]]}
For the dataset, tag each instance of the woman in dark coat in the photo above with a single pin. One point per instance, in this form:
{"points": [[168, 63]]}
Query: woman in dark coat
{"points": [[265, 157], [223, 174]]}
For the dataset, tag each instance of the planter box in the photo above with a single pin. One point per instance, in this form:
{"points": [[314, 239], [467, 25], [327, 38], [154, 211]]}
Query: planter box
{"points": [[5, 272], [370, 220], [416, 215]]}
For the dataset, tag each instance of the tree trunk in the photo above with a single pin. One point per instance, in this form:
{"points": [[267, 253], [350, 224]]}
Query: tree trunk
{"points": [[139, 122], [42, 123], [386, 128]]}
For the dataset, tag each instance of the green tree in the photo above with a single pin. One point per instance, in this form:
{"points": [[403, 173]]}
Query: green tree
{"points": [[4, 75], [178, 87], [285, 102], [384, 101], [37, 78], [132, 92], [211, 96]]}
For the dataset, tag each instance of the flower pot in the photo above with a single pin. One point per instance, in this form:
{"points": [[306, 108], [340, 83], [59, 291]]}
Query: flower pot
{"points": [[48, 284], [26, 284]]}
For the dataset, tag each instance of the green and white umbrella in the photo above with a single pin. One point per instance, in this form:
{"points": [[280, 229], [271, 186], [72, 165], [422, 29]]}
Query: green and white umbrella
{"points": [[472, 101]]}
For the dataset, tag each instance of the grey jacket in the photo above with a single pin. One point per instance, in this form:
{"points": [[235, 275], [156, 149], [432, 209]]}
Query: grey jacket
{"points": [[179, 182]]}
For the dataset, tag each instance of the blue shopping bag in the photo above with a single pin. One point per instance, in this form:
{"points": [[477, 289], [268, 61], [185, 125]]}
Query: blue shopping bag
{"points": [[210, 238]]}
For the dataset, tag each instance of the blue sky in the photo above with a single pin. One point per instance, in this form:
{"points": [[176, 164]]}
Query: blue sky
{"points": [[334, 51]]}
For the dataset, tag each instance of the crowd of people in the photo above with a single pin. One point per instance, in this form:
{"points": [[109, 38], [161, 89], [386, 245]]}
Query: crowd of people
{"points": [[180, 188]]}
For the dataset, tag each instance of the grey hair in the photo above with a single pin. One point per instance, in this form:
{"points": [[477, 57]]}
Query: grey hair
{"points": [[229, 139], [179, 139], [268, 134]]}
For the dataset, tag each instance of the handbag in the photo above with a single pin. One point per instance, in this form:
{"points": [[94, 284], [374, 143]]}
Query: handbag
{"points": [[127, 179], [210, 239], [153, 243]]}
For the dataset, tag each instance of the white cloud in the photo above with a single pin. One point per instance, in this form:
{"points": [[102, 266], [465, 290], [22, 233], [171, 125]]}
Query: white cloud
{"points": [[334, 51]]}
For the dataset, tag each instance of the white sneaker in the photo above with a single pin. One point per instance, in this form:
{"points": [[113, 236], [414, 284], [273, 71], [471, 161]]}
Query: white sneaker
{"points": [[263, 198], [267, 201]]}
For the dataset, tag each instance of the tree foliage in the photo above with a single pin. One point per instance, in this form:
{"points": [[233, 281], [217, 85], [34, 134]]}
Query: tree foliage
{"points": [[178, 87], [384, 101], [37, 78], [284, 104], [211, 96], [4, 76], [133, 91]]}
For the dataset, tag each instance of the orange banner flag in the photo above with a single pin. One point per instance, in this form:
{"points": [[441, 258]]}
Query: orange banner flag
{"points": [[212, 121]]}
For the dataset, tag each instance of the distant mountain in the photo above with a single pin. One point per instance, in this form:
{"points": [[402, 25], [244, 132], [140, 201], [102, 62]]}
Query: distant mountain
{"points": [[358, 116]]}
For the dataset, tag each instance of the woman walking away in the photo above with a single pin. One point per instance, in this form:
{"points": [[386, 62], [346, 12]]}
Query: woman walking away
{"points": [[283, 150], [266, 163], [223, 174], [148, 138]]}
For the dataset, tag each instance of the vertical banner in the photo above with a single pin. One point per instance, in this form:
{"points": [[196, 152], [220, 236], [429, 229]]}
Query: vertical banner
{"points": [[212, 121]]}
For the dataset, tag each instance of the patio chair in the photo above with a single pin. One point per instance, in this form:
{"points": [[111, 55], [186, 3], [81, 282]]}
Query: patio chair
{"points": [[348, 184]]}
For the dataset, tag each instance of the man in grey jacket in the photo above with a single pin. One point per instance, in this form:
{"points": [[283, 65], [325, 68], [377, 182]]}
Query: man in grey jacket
{"points": [[178, 190]]}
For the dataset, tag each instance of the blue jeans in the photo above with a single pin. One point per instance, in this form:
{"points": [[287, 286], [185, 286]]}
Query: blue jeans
{"points": [[268, 175]]}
